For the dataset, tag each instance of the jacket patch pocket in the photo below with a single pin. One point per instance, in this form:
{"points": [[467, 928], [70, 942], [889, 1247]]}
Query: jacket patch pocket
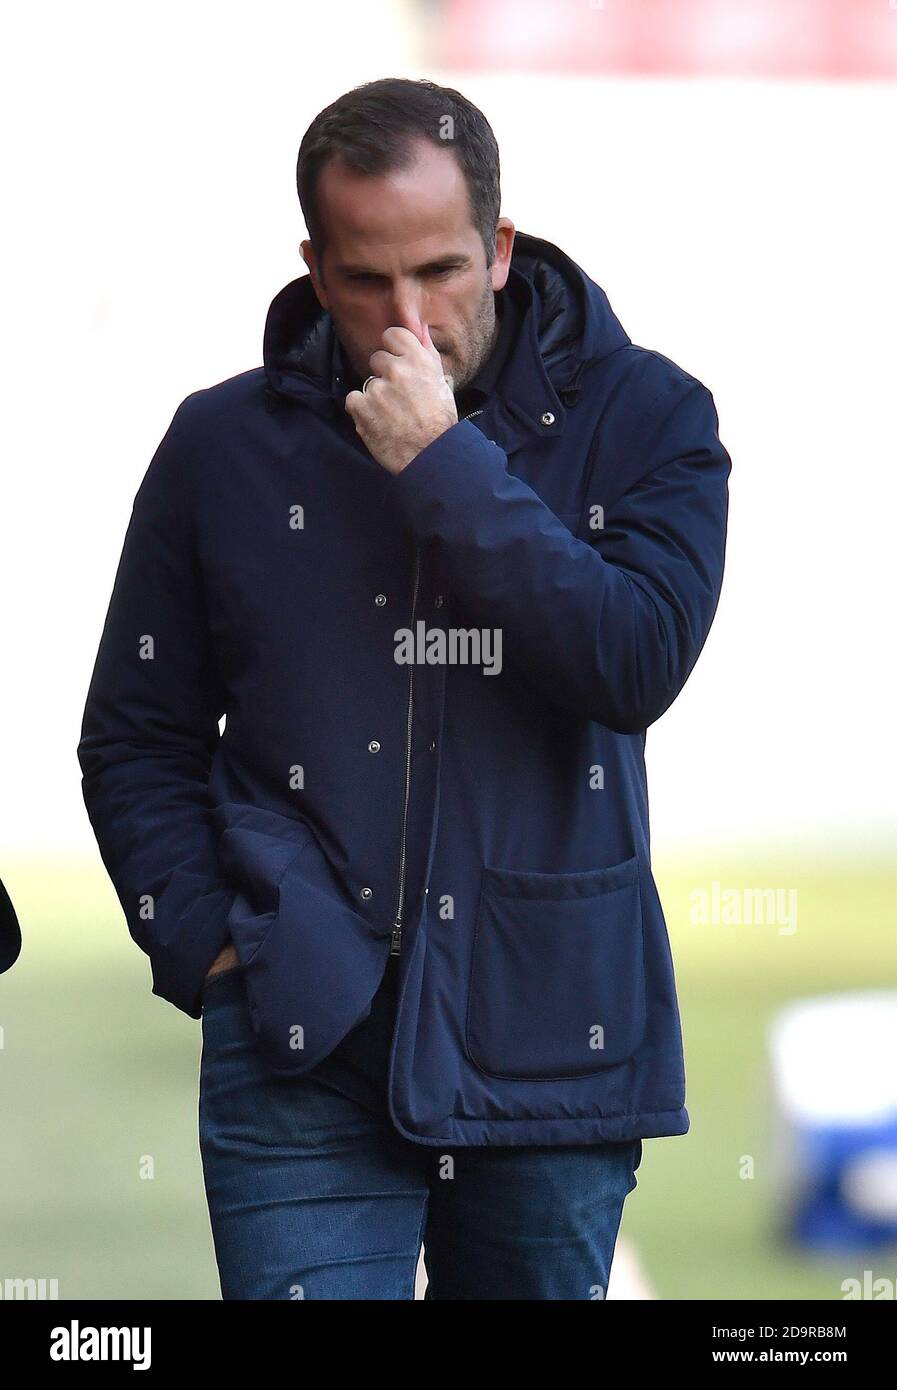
{"points": [[557, 983]]}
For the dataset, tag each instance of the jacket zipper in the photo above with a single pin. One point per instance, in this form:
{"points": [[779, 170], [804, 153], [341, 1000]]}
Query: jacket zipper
{"points": [[395, 948]]}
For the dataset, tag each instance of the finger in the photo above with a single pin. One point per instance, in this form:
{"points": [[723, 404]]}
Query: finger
{"points": [[428, 341], [400, 341], [380, 362], [354, 402], [430, 345]]}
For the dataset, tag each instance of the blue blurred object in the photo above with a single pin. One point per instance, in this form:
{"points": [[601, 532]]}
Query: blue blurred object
{"points": [[835, 1084]]}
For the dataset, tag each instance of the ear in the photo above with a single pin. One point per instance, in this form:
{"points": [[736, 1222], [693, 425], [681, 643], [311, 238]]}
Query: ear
{"points": [[504, 246], [314, 270]]}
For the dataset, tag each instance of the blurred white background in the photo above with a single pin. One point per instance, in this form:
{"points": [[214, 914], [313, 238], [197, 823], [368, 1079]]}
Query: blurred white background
{"points": [[742, 227]]}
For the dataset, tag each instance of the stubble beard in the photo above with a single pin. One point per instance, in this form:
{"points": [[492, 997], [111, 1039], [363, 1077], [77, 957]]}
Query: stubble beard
{"points": [[479, 341]]}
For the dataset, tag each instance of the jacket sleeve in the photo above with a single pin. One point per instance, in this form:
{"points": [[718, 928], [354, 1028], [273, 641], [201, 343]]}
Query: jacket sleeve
{"points": [[610, 627], [149, 730]]}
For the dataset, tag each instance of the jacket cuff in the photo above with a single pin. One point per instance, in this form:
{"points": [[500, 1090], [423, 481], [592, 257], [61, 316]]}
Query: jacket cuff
{"points": [[447, 474], [181, 963]]}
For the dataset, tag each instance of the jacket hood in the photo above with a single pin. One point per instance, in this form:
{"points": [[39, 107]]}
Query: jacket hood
{"points": [[567, 324]]}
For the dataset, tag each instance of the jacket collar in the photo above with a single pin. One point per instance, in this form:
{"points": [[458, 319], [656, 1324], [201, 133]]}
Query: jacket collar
{"points": [[565, 323]]}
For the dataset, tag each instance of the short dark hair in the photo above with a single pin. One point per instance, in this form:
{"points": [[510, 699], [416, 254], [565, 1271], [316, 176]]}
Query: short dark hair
{"points": [[373, 128]]}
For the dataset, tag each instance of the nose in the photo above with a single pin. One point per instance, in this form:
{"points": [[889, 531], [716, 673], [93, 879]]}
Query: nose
{"points": [[408, 310]]}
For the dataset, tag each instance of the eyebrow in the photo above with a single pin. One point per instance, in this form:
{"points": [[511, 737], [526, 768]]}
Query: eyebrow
{"points": [[440, 262]]}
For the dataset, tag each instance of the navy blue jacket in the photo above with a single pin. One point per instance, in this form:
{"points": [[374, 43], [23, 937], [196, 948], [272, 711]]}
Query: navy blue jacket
{"points": [[490, 828]]}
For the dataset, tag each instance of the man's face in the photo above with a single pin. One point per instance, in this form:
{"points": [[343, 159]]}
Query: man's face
{"points": [[402, 252]]}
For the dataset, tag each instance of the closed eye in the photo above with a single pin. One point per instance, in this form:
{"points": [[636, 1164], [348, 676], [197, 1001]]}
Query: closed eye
{"points": [[439, 271]]}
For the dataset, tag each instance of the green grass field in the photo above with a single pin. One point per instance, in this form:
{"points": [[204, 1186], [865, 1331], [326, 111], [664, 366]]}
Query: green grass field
{"points": [[97, 1076]]}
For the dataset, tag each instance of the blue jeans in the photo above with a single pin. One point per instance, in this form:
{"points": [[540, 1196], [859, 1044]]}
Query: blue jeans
{"points": [[313, 1195]]}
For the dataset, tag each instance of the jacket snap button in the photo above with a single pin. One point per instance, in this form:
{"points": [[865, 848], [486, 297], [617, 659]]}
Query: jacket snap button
{"points": [[432, 745], [374, 746], [548, 418], [380, 600], [367, 894], [438, 601]]}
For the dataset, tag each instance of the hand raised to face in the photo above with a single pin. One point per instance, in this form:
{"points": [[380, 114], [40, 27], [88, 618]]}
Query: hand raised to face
{"points": [[409, 402]]}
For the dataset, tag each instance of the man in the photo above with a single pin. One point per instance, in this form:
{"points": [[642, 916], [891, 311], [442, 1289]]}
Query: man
{"points": [[440, 563]]}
